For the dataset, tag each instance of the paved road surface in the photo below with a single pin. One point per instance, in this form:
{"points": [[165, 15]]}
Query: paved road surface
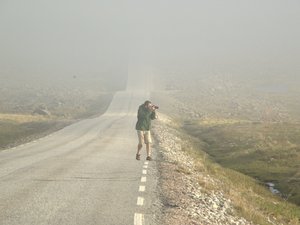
{"points": [[83, 174]]}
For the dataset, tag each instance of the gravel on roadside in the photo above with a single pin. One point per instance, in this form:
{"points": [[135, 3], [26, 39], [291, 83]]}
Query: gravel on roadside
{"points": [[185, 201]]}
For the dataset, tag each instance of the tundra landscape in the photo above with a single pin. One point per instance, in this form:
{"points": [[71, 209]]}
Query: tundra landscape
{"points": [[227, 120], [226, 136], [247, 125], [32, 107]]}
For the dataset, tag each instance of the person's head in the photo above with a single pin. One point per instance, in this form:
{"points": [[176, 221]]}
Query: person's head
{"points": [[147, 103]]}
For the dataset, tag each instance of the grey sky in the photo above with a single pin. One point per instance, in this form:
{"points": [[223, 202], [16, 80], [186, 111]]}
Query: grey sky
{"points": [[50, 38]]}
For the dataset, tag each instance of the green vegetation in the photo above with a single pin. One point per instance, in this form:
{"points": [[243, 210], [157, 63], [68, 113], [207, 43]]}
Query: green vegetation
{"points": [[268, 152], [241, 124], [251, 199], [13, 133]]}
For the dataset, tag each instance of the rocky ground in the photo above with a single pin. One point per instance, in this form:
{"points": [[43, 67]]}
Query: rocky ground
{"points": [[184, 197], [228, 96]]}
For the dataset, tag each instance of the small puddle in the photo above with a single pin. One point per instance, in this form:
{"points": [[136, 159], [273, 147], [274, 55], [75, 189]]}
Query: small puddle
{"points": [[272, 188]]}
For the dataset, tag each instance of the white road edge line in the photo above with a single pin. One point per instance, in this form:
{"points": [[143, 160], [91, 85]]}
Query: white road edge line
{"points": [[143, 179], [142, 188], [138, 219], [144, 172], [140, 201]]}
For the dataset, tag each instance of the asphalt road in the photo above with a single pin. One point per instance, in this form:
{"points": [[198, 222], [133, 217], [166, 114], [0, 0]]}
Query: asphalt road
{"points": [[85, 173]]}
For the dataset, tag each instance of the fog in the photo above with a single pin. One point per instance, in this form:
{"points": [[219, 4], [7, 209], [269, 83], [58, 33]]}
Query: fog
{"points": [[55, 39]]}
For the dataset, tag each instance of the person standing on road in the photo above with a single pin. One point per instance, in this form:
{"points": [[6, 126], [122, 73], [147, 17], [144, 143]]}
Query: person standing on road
{"points": [[146, 113]]}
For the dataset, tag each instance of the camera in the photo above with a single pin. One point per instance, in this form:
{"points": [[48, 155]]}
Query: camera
{"points": [[155, 107]]}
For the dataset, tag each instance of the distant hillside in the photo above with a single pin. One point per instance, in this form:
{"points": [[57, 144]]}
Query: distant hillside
{"points": [[256, 98]]}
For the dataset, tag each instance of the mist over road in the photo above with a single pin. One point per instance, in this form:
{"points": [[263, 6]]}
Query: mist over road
{"points": [[85, 173]]}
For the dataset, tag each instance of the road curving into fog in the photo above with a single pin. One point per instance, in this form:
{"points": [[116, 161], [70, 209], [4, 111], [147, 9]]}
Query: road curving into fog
{"points": [[85, 173]]}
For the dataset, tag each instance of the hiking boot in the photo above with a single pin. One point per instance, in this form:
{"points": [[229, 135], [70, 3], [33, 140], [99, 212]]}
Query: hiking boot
{"points": [[149, 158], [138, 157]]}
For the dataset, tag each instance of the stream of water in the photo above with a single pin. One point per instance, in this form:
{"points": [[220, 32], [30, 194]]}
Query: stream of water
{"points": [[272, 188]]}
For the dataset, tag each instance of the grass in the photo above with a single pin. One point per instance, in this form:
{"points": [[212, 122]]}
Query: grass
{"points": [[231, 149], [19, 126], [12, 133], [268, 152], [251, 199], [220, 121], [21, 118]]}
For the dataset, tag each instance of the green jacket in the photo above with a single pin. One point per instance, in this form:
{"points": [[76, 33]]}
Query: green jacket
{"points": [[144, 118]]}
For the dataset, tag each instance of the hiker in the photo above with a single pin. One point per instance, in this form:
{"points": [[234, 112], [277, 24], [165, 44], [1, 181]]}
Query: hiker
{"points": [[146, 113]]}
